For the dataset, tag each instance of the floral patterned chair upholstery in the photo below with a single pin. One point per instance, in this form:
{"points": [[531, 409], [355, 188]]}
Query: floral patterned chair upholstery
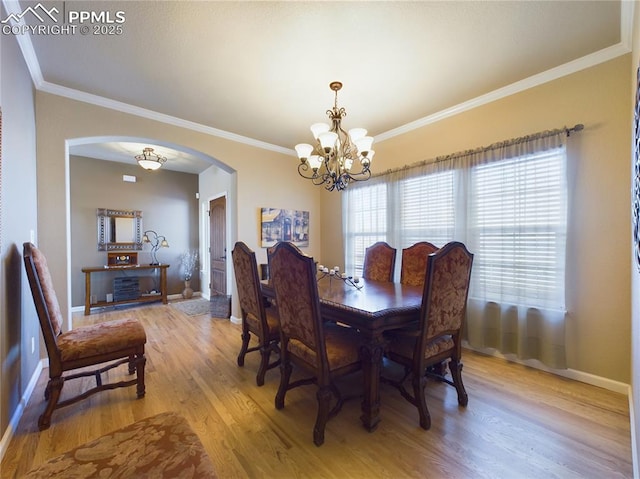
{"points": [[439, 337], [379, 262], [327, 350], [116, 342], [414, 263], [258, 317]]}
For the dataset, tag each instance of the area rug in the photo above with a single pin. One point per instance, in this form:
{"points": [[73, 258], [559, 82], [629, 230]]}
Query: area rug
{"points": [[193, 307], [218, 307], [221, 306]]}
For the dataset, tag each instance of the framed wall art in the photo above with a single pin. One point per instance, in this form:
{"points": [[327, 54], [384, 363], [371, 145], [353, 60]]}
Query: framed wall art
{"points": [[284, 225], [635, 207]]}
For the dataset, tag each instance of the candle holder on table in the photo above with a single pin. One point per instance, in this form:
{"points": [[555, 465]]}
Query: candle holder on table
{"points": [[334, 273]]}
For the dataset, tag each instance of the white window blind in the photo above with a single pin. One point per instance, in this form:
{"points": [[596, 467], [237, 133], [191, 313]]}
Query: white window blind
{"points": [[517, 229], [426, 209], [365, 224], [511, 215]]}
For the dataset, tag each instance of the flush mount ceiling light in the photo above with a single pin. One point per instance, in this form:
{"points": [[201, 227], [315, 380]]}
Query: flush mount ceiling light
{"points": [[336, 152], [150, 160]]}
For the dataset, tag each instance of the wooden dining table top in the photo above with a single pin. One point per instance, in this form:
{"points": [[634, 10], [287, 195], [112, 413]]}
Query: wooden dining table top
{"points": [[376, 306]]}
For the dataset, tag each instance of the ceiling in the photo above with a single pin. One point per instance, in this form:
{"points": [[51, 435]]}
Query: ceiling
{"points": [[259, 72]]}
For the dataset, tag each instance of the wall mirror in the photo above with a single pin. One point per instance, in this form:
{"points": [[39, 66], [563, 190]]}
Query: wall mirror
{"points": [[119, 230]]}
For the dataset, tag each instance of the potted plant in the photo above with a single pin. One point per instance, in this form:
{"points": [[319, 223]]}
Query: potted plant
{"points": [[188, 262]]}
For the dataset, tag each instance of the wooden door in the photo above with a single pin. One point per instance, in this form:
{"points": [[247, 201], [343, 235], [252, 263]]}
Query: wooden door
{"points": [[218, 246]]}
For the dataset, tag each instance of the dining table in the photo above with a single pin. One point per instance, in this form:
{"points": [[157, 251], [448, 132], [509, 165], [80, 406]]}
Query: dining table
{"points": [[372, 307]]}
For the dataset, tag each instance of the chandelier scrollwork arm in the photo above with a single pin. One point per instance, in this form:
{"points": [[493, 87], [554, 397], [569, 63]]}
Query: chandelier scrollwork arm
{"points": [[334, 161]]}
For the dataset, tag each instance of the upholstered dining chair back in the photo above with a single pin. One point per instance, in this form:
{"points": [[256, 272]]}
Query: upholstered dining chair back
{"points": [[116, 342], [414, 263], [293, 275], [438, 340], [444, 302], [379, 262], [325, 349], [258, 316]]}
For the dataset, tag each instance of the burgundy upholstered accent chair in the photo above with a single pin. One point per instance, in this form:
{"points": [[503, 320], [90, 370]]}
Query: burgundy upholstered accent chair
{"points": [[115, 342], [438, 339], [258, 316], [414, 263], [327, 350], [379, 262]]}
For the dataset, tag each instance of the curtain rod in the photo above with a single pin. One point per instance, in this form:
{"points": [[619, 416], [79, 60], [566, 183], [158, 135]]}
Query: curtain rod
{"points": [[494, 146]]}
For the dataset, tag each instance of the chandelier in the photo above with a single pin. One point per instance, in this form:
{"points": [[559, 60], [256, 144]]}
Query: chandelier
{"points": [[150, 160], [338, 157]]}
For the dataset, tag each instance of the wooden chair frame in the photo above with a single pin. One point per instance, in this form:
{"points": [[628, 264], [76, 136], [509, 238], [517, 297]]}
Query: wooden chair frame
{"points": [[132, 354], [252, 303], [419, 365], [291, 328]]}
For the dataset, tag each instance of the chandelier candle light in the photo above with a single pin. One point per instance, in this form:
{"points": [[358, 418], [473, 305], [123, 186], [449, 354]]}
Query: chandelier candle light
{"points": [[157, 242], [336, 152], [150, 160]]}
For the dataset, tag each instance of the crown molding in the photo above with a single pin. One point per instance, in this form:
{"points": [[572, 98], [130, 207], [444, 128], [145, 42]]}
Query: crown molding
{"points": [[63, 91], [522, 85], [606, 54]]}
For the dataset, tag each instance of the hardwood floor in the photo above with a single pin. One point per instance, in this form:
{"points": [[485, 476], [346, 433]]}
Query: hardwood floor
{"points": [[520, 422]]}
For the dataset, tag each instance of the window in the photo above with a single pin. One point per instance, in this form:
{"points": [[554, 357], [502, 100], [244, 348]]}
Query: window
{"points": [[518, 230], [511, 214], [366, 223], [426, 209]]}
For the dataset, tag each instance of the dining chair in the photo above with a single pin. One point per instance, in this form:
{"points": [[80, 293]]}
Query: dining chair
{"points": [[379, 262], [413, 265], [258, 316], [327, 350], [115, 342], [439, 336]]}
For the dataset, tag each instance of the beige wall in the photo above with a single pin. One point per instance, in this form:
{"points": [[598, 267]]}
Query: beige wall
{"points": [[18, 217], [263, 178], [598, 278], [169, 206]]}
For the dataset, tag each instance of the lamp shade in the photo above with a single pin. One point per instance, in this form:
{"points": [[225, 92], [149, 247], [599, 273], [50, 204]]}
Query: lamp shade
{"points": [[356, 133], [303, 150], [364, 144], [328, 139], [315, 161], [150, 164], [318, 128]]}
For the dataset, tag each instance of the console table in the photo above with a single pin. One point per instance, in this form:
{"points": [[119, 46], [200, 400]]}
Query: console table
{"points": [[147, 298]]}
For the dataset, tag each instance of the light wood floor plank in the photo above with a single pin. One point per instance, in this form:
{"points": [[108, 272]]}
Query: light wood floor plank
{"points": [[520, 422]]}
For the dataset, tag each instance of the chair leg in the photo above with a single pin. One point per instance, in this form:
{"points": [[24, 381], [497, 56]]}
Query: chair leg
{"points": [[456, 374], [324, 397], [141, 360], [53, 390], [132, 364], [246, 336], [419, 384], [265, 353], [285, 375]]}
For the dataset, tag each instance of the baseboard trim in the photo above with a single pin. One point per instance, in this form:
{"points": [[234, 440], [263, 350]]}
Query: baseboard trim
{"points": [[17, 415], [235, 320], [634, 439], [574, 374]]}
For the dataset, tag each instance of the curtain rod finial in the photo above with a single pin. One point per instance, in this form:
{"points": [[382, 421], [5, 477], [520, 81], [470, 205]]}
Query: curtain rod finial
{"points": [[577, 127]]}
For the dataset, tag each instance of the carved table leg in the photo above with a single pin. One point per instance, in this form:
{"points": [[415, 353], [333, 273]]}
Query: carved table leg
{"points": [[371, 355]]}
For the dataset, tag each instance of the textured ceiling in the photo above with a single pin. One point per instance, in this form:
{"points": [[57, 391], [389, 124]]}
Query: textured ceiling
{"points": [[262, 69]]}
